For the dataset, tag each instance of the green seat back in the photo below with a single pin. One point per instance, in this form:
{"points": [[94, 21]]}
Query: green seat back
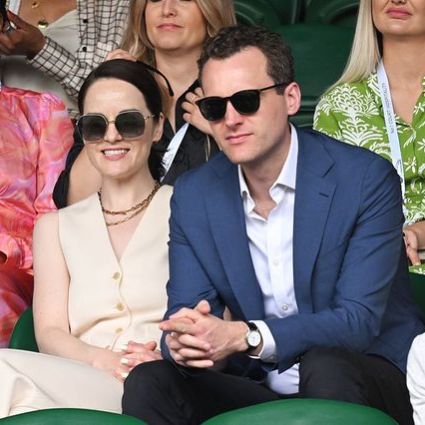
{"points": [[288, 11], [268, 13], [418, 288], [23, 336], [303, 412], [336, 12], [303, 119], [320, 53], [256, 12], [70, 417]]}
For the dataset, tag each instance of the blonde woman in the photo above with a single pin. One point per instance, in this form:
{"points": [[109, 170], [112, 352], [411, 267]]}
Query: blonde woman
{"points": [[168, 34], [379, 101]]}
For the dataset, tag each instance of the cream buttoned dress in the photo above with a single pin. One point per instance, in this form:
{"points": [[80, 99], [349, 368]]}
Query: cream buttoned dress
{"points": [[110, 302]]}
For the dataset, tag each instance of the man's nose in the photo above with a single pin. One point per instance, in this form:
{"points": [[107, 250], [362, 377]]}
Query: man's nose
{"points": [[232, 117]]}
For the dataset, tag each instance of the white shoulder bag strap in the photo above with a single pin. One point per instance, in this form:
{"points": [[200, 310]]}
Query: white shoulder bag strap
{"points": [[14, 6], [173, 147]]}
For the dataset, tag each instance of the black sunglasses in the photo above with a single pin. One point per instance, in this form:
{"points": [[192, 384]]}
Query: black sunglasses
{"points": [[245, 102], [130, 124]]}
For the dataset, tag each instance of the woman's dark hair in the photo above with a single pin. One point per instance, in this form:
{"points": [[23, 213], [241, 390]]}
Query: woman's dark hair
{"points": [[138, 75]]}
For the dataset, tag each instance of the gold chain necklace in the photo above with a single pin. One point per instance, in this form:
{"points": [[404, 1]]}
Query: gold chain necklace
{"points": [[42, 22], [136, 209]]}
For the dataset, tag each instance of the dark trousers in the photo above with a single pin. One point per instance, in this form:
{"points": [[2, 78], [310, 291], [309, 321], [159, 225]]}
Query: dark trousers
{"points": [[161, 393]]}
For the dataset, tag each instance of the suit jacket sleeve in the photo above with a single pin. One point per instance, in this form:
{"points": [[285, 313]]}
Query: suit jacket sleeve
{"points": [[189, 282]]}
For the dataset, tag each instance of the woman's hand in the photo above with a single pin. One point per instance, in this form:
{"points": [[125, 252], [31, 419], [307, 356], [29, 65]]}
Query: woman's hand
{"points": [[414, 239], [112, 363], [411, 241], [105, 359], [120, 54], [134, 354], [193, 115], [25, 39]]}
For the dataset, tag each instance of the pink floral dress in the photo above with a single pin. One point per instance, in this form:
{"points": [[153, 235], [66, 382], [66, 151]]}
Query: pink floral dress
{"points": [[35, 136]]}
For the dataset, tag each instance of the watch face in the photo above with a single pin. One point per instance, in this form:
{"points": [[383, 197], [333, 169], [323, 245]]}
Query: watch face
{"points": [[254, 339]]}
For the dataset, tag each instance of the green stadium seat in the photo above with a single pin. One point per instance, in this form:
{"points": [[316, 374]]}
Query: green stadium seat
{"points": [[303, 412], [23, 336], [303, 119], [336, 12], [418, 288], [256, 12], [268, 13], [288, 11], [70, 417], [320, 53]]}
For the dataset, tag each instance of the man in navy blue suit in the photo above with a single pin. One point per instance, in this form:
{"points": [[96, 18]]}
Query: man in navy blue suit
{"points": [[288, 275]]}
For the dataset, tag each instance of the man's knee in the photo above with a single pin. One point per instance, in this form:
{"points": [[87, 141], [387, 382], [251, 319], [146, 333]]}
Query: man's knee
{"points": [[158, 393], [330, 373], [145, 383]]}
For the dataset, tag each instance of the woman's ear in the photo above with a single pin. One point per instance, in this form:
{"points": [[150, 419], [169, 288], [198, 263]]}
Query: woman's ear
{"points": [[158, 129]]}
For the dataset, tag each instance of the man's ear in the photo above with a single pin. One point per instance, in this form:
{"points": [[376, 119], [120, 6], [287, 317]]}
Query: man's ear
{"points": [[293, 98], [159, 128]]}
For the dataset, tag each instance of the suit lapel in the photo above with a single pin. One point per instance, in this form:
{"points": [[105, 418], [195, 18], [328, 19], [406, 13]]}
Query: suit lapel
{"points": [[225, 211], [313, 199]]}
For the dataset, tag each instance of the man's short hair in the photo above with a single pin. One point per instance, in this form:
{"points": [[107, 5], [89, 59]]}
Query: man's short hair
{"points": [[232, 40]]}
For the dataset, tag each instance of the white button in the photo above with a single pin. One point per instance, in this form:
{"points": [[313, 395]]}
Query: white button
{"points": [[276, 262], [285, 307]]}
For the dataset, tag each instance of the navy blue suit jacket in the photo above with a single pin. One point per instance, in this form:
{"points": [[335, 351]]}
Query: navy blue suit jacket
{"points": [[350, 270]]}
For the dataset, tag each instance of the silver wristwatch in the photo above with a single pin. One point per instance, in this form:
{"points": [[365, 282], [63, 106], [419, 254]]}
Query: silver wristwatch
{"points": [[253, 337]]}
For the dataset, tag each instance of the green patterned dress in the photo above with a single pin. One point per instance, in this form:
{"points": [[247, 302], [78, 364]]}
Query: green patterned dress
{"points": [[353, 113]]}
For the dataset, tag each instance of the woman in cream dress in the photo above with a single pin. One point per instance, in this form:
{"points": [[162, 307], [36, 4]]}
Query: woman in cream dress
{"points": [[100, 265]]}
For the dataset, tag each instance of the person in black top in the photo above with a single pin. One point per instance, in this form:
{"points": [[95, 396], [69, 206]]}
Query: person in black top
{"points": [[168, 34]]}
